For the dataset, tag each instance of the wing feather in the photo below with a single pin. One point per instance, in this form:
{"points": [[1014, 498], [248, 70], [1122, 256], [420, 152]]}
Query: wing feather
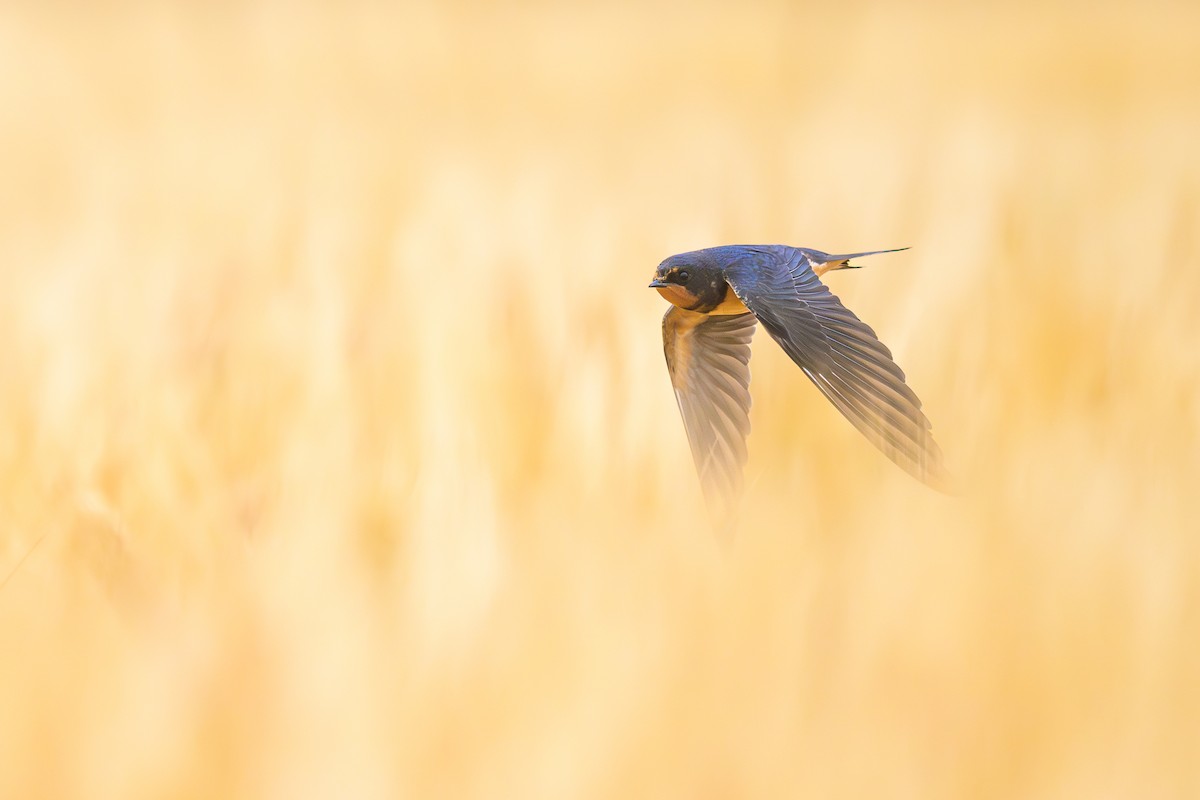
{"points": [[708, 358], [840, 354]]}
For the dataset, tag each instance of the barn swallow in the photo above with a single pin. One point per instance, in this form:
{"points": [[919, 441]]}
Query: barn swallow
{"points": [[717, 297]]}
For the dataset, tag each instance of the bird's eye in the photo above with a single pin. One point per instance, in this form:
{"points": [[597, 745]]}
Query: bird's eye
{"points": [[681, 276]]}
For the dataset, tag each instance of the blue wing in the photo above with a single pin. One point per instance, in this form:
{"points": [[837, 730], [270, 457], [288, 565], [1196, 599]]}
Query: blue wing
{"points": [[840, 354]]}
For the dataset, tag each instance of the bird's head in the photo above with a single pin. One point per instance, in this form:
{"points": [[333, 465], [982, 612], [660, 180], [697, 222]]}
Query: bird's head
{"points": [[688, 281]]}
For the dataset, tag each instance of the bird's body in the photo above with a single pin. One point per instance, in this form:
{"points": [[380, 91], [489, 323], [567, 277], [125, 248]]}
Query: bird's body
{"points": [[717, 298]]}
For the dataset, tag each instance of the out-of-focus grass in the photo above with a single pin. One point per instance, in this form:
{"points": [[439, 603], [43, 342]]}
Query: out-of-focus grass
{"points": [[337, 436]]}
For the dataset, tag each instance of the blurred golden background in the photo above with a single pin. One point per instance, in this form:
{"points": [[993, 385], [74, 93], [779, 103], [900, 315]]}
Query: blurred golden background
{"points": [[339, 457]]}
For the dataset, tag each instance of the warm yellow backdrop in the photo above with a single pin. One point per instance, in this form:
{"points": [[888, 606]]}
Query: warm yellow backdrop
{"points": [[338, 457]]}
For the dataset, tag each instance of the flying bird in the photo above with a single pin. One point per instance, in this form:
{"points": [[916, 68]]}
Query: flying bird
{"points": [[718, 296]]}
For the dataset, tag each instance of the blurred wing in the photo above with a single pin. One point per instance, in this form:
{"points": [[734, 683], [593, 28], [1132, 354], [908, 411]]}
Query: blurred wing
{"points": [[708, 358], [841, 355]]}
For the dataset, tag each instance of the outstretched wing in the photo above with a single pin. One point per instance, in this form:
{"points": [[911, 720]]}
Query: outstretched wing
{"points": [[708, 358], [840, 354]]}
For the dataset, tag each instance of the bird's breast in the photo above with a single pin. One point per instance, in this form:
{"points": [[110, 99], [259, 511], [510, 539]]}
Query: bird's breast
{"points": [[730, 304], [715, 299]]}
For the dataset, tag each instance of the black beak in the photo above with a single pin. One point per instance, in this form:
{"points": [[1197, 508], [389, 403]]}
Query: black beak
{"points": [[658, 283]]}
